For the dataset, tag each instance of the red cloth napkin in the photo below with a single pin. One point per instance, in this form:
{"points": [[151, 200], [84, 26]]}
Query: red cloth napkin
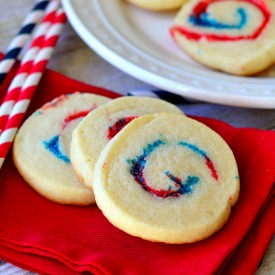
{"points": [[49, 238]]}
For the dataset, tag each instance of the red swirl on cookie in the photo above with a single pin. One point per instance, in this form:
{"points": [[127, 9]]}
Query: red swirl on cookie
{"points": [[118, 125]]}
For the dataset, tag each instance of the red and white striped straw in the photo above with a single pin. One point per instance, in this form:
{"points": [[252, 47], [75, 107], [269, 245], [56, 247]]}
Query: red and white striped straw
{"points": [[19, 41], [26, 64], [30, 85]]}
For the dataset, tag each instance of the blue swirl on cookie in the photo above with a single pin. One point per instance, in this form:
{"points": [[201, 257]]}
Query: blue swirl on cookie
{"points": [[205, 19], [181, 187], [53, 145]]}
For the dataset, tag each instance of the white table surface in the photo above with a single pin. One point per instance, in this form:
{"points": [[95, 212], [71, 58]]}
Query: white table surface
{"points": [[73, 58]]}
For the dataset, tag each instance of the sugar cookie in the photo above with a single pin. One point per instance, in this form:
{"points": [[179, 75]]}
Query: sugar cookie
{"points": [[158, 4], [42, 145], [167, 178], [234, 36], [96, 129]]}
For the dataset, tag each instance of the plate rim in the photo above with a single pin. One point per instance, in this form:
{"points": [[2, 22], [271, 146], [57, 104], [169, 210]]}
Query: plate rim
{"points": [[138, 71]]}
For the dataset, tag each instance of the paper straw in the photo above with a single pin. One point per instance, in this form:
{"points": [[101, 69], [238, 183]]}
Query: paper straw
{"points": [[18, 42], [26, 64], [30, 85]]}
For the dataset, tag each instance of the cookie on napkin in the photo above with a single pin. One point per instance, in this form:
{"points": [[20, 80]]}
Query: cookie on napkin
{"points": [[42, 145], [100, 126], [167, 178], [234, 36]]}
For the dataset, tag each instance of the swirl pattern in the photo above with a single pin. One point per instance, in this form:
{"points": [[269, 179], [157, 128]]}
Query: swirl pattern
{"points": [[54, 143], [225, 20], [181, 187]]}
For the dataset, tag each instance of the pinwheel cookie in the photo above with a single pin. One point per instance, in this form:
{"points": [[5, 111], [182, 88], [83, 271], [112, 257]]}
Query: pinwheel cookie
{"points": [[100, 126], [235, 36], [42, 145], [167, 178], [158, 4]]}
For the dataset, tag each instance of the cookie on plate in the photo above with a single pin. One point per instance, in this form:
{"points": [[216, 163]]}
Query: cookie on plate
{"points": [[42, 145], [158, 5], [96, 129], [234, 36], [167, 178]]}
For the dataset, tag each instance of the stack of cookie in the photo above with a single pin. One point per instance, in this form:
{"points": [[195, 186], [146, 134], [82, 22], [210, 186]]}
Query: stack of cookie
{"points": [[152, 171]]}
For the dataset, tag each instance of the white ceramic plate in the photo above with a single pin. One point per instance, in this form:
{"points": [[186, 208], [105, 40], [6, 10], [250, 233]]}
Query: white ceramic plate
{"points": [[138, 42]]}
